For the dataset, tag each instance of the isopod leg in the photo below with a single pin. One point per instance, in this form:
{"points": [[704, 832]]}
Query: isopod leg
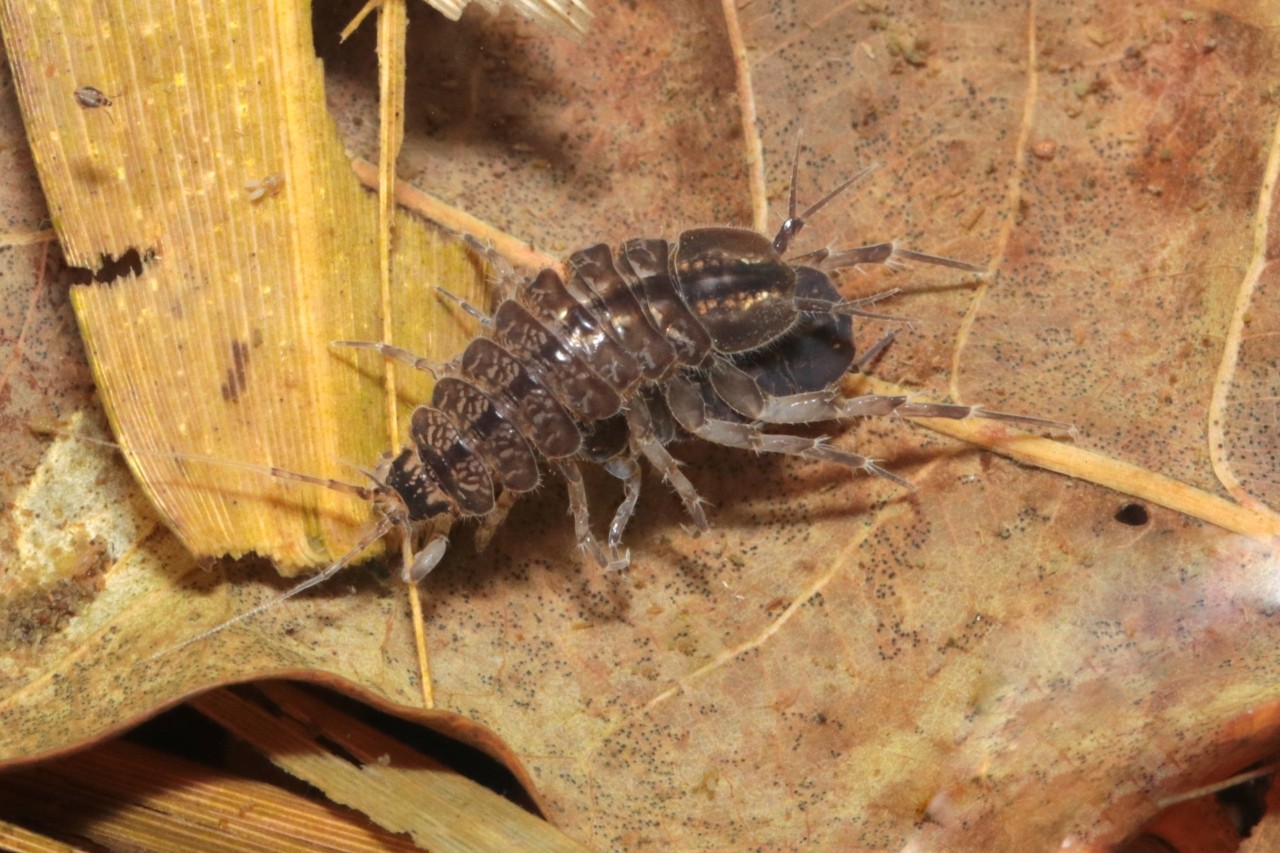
{"points": [[491, 522], [641, 425], [892, 256], [808, 408], [685, 402], [479, 316], [581, 515], [740, 391], [955, 412], [388, 351], [627, 469], [507, 280], [873, 353]]}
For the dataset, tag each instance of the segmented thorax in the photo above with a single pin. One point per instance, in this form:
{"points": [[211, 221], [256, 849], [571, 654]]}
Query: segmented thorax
{"points": [[565, 357], [736, 285]]}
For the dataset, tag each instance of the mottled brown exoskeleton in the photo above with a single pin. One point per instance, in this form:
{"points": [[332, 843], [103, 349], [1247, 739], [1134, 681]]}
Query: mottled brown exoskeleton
{"points": [[714, 336], [91, 98]]}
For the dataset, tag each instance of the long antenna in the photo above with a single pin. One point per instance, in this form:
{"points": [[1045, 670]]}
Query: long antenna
{"points": [[382, 528], [362, 492]]}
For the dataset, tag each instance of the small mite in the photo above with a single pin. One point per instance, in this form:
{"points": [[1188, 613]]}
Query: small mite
{"points": [[270, 185], [91, 98]]}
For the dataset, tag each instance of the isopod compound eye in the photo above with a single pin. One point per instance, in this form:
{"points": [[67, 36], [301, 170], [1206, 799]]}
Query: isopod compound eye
{"points": [[736, 285]]}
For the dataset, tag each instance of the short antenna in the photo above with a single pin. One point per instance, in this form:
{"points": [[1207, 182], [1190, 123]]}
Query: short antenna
{"points": [[793, 224]]}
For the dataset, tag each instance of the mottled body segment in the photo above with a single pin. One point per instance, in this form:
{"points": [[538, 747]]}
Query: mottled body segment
{"points": [[494, 434], [576, 327], [450, 462], [579, 387], [647, 262], [418, 491], [542, 419], [595, 275]]}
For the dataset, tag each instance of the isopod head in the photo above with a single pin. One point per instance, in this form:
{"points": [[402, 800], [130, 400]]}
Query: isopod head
{"points": [[406, 493], [817, 352], [737, 286]]}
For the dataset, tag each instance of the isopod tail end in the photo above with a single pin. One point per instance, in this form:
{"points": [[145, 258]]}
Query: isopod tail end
{"points": [[426, 559]]}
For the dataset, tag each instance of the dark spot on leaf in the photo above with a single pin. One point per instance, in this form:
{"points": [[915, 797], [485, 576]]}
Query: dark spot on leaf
{"points": [[1134, 515], [110, 269]]}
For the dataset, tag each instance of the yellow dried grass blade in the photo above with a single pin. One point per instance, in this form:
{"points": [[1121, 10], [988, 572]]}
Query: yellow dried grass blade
{"points": [[398, 788], [16, 839], [128, 797], [392, 25], [220, 348]]}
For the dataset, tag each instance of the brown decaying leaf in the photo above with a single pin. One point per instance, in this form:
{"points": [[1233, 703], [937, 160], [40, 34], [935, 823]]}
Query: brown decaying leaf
{"points": [[991, 661]]}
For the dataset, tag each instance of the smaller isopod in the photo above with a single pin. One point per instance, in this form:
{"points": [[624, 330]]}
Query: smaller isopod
{"points": [[92, 98]]}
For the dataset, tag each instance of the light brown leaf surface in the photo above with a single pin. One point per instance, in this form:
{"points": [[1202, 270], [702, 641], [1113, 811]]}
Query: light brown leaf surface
{"points": [[992, 661]]}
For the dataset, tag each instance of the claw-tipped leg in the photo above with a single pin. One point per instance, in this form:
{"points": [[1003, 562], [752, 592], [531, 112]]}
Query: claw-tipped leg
{"points": [[626, 469], [686, 404], [475, 313], [581, 515], [641, 425], [952, 411]]}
